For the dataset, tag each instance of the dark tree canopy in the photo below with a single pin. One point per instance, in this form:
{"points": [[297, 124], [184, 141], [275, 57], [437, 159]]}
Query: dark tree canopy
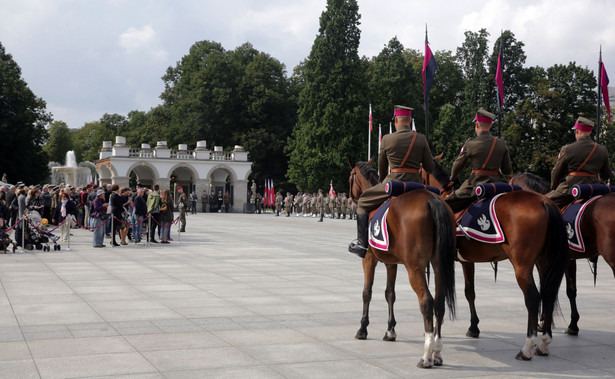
{"points": [[23, 117]]}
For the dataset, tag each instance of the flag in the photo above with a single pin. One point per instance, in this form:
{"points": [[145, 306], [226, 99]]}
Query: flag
{"points": [[271, 194], [266, 194], [499, 80], [370, 118], [391, 127], [429, 71], [413, 126], [379, 137], [604, 82], [331, 190]]}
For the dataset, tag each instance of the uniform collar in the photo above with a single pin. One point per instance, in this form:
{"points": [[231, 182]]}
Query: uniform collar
{"points": [[584, 138], [484, 133]]}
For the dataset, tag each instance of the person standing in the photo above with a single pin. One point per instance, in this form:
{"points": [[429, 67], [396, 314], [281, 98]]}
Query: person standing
{"points": [[166, 215], [153, 208], [117, 209], [403, 152], [65, 212], [204, 200], [99, 209], [227, 202], [139, 214], [581, 162], [182, 202], [488, 157], [193, 200]]}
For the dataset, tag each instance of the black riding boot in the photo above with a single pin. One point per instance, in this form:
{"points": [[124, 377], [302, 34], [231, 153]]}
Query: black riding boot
{"points": [[359, 246]]}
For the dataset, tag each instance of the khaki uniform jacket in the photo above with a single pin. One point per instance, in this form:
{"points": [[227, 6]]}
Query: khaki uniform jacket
{"points": [[570, 159], [392, 152], [475, 152]]}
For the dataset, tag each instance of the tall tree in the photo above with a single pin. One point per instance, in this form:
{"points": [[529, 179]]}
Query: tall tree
{"points": [[23, 117], [473, 56], [59, 142], [332, 106]]}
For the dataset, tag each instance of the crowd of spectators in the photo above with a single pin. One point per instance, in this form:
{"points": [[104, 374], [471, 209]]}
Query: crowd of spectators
{"points": [[92, 207]]}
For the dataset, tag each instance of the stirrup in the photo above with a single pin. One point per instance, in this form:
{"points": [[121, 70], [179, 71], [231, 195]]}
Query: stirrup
{"points": [[355, 247]]}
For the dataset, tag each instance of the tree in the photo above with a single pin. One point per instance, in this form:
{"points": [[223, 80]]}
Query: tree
{"points": [[473, 56], [332, 105], [59, 142], [23, 117]]}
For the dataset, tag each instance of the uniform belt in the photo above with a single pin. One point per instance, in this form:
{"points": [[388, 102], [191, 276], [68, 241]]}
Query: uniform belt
{"points": [[582, 173], [485, 172], [405, 170]]}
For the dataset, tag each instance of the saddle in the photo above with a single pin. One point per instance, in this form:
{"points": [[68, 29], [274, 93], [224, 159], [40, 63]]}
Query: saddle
{"points": [[584, 195], [378, 230], [479, 221]]}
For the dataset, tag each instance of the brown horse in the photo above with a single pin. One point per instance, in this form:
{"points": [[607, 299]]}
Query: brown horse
{"points": [[597, 226], [421, 232], [535, 235]]}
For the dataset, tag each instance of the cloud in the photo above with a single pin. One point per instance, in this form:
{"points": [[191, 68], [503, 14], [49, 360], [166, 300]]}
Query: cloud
{"points": [[141, 39]]}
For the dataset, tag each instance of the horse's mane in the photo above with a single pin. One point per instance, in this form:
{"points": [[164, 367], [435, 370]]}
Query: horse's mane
{"points": [[532, 182], [369, 172], [440, 174]]}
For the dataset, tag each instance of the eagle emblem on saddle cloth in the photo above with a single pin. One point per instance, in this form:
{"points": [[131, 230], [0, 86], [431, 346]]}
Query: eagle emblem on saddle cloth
{"points": [[480, 222]]}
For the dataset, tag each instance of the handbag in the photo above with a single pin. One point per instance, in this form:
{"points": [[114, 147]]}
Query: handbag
{"points": [[163, 207]]}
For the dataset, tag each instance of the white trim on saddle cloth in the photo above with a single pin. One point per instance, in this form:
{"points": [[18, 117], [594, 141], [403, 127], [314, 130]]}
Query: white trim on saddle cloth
{"points": [[378, 231], [481, 226], [573, 230]]}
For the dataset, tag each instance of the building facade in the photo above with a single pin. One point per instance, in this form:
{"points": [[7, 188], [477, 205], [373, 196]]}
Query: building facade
{"points": [[197, 170]]}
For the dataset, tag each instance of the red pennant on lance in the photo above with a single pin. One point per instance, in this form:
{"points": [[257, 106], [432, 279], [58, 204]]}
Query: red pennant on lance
{"points": [[370, 118], [604, 83], [429, 71], [331, 190], [499, 80]]}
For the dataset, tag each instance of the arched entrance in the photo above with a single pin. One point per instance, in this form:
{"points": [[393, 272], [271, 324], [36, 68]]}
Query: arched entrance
{"points": [[221, 181], [142, 174]]}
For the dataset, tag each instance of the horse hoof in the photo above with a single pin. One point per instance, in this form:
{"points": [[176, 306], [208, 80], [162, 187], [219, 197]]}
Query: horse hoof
{"points": [[424, 364], [389, 336], [473, 333], [522, 357], [572, 332], [541, 353], [361, 335], [437, 360]]}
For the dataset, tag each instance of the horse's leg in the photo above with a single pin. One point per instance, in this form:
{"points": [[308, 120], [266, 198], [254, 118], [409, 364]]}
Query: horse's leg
{"points": [[418, 282], [525, 280], [439, 307], [468, 275], [389, 294], [369, 269], [571, 292]]}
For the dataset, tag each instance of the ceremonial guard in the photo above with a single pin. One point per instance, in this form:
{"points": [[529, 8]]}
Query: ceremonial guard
{"points": [[182, 203], [279, 199], [403, 152], [581, 162], [488, 157], [343, 200]]}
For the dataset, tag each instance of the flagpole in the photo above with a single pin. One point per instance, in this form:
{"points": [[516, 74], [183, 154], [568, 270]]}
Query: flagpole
{"points": [[599, 118], [426, 100], [369, 135], [501, 110]]}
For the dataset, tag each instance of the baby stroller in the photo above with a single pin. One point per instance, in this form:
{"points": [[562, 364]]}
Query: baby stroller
{"points": [[6, 241], [36, 237]]}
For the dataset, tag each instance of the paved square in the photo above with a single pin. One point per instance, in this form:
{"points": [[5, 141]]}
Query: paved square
{"points": [[259, 296]]}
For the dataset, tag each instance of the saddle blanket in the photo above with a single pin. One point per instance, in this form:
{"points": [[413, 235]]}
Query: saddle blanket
{"points": [[378, 232], [481, 223], [572, 218]]}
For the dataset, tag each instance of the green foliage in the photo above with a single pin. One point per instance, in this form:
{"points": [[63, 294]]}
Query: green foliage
{"points": [[23, 117], [59, 142], [472, 56], [332, 103]]}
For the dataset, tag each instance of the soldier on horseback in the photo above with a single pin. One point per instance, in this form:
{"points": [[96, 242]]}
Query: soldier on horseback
{"points": [[581, 162], [488, 157], [403, 151]]}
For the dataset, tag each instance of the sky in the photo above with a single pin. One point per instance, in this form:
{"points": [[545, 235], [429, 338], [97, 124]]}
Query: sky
{"points": [[86, 58]]}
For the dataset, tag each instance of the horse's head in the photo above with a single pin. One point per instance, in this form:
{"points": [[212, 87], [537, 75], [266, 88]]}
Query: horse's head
{"points": [[438, 178], [531, 182], [362, 176]]}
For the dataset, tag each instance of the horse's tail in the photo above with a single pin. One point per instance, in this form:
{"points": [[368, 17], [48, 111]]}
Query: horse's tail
{"points": [[557, 259], [444, 236]]}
